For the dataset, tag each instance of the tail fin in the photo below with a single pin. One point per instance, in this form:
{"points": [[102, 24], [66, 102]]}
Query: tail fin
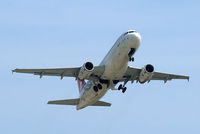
{"points": [[81, 84]]}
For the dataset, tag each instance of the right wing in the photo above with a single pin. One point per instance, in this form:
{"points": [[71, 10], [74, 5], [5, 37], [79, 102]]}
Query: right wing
{"points": [[134, 73], [165, 76], [62, 72]]}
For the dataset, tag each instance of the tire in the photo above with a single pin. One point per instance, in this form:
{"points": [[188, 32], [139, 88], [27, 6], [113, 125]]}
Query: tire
{"points": [[124, 90], [99, 86], [95, 88], [132, 59], [129, 58], [120, 87]]}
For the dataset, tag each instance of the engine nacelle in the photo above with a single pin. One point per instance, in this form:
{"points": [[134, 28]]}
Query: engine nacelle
{"points": [[86, 70], [146, 73]]}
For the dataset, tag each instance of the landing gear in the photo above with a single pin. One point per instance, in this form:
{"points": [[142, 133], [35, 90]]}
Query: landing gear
{"points": [[122, 88], [103, 81], [97, 87], [131, 59], [130, 54]]}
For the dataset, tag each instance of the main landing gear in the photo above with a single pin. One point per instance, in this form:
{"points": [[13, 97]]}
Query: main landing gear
{"points": [[122, 88], [97, 87]]}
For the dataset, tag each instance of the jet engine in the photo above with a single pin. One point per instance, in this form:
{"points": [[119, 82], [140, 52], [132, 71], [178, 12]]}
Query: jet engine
{"points": [[146, 73], [85, 70]]}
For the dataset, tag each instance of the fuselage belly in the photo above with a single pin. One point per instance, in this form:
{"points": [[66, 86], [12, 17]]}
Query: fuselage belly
{"points": [[116, 63]]}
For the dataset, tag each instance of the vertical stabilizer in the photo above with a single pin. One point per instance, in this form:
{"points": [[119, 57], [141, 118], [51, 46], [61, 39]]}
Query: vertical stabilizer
{"points": [[81, 84]]}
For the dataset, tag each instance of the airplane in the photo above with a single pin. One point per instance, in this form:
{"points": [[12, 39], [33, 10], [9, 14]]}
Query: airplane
{"points": [[112, 70]]}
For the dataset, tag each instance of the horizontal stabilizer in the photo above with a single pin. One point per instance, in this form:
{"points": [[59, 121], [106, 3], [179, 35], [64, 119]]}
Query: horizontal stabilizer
{"points": [[101, 103], [76, 101], [65, 102]]}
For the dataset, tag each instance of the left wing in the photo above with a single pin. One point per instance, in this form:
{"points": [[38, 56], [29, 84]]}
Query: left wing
{"points": [[62, 72], [70, 72], [134, 73]]}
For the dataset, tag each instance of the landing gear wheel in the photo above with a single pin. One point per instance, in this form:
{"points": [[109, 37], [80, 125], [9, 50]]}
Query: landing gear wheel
{"points": [[132, 59], [129, 58], [124, 90], [120, 87], [95, 88], [99, 86]]}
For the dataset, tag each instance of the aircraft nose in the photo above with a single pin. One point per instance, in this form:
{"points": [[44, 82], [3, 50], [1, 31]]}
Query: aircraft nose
{"points": [[132, 39], [135, 36]]}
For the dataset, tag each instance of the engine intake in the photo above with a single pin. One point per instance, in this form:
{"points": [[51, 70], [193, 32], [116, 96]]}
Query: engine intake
{"points": [[85, 70], [149, 68], [146, 73], [89, 66]]}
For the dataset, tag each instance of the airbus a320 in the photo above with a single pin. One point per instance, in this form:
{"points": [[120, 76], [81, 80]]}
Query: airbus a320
{"points": [[112, 70]]}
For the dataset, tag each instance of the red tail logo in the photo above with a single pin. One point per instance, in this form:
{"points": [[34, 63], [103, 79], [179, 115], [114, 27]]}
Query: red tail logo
{"points": [[81, 84]]}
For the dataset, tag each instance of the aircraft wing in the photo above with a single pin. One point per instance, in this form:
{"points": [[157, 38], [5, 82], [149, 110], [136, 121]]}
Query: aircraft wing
{"points": [[133, 74], [165, 76], [62, 72]]}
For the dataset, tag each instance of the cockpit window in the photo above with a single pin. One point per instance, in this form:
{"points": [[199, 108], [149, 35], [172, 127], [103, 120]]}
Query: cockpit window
{"points": [[130, 31], [125, 33]]}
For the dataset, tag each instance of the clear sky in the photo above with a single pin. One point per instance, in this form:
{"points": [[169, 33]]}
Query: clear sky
{"points": [[59, 33]]}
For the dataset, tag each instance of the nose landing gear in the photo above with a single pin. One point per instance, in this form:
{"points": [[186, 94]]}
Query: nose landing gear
{"points": [[130, 54], [131, 59]]}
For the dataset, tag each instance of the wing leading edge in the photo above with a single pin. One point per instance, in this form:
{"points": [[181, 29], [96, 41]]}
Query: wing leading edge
{"points": [[134, 73], [62, 72], [131, 73]]}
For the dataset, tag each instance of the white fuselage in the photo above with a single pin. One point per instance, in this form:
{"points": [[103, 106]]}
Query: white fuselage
{"points": [[116, 63]]}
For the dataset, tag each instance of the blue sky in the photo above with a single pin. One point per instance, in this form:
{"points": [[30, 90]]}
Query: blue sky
{"points": [[46, 34]]}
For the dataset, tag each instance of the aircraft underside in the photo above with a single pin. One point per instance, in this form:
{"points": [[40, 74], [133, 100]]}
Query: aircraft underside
{"points": [[112, 70]]}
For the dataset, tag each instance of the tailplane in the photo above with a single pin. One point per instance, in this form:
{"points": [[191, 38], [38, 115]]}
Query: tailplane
{"points": [[76, 101], [65, 102]]}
